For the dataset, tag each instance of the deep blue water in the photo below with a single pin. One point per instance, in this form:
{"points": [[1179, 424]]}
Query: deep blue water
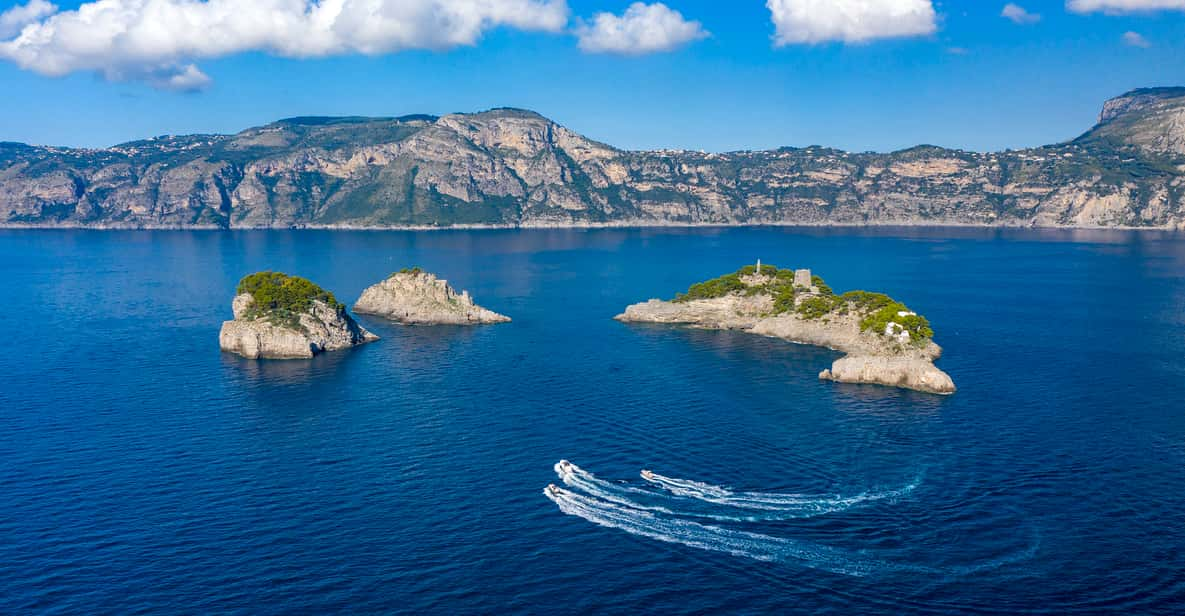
{"points": [[141, 470]]}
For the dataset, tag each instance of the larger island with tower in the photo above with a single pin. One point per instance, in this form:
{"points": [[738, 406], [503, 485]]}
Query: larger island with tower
{"points": [[885, 342]]}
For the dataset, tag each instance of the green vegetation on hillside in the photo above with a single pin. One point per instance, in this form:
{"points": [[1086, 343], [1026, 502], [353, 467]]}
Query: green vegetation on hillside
{"points": [[710, 289], [876, 310], [281, 298], [916, 324], [780, 285], [823, 288], [816, 306]]}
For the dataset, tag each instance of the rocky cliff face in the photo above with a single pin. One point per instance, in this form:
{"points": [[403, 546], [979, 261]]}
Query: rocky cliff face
{"points": [[1152, 119], [418, 298], [514, 167], [321, 328]]}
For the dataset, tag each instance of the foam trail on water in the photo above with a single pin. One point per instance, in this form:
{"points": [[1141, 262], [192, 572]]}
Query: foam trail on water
{"points": [[809, 504], [581, 479], [1028, 552], [629, 496], [611, 505], [725, 507], [705, 537]]}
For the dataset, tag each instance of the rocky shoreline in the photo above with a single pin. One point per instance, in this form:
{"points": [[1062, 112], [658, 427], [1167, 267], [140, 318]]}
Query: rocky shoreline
{"points": [[622, 224], [515, 168], [288, 328], [416, 297], [277, 316], [798, 307]]}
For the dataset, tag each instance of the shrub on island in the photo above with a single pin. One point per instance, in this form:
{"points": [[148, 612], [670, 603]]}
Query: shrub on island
{"points": [[816, 307], [917, 325], [287, 317], [282, 298], [779, 285], [877, 310], [714, 288]]}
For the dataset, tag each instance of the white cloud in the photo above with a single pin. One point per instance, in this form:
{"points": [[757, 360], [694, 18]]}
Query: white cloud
{"points": [[21, 15], [1123, 6], [185, 78], [850, 21], [1019, 15], [1135, 39], [643, 28], [158, 40]]}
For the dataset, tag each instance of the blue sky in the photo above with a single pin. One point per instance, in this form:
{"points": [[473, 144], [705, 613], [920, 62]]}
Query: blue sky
{"points": [[977, 81]]}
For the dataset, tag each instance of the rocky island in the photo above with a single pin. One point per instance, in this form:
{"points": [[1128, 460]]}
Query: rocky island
{"points": [[886, 343], [414, 297], [279, 316]]}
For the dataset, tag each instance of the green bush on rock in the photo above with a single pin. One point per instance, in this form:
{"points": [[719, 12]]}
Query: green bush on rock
{"points": [[865, 301], [784, 299], [876, 310], [711, 289], [917, 325], [779, 283], [817, 281], [815, 307], [283, 298]]}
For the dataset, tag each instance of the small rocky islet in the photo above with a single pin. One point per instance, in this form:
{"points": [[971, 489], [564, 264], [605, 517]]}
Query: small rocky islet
{"points": [[277, 316], [414, 297], [885, 342]]}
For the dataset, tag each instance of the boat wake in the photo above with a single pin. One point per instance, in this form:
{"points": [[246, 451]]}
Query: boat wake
{"points": [[807, 504], [578, 478], [693, 534], [694, 499], [663, 515]]}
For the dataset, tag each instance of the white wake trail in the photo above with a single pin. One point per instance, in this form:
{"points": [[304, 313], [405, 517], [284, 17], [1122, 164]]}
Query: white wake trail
{"points": [[706, 537], [615, 505], [629, 496], [807, 504], [680, 497], [578, 478]]}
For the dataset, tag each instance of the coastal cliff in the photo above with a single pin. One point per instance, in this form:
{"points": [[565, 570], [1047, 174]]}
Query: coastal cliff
{"points": [[415, 297], [516, 168], [285, 317], [885, 342]]}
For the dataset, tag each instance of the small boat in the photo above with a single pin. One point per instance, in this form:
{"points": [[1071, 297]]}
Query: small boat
{"points": [[564, 466], [553, 489], [647, 474]]}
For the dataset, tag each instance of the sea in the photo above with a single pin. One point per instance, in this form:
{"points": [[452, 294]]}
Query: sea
{"points": [[143, 471]]}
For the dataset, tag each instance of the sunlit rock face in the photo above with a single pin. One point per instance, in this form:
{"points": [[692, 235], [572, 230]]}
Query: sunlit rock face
{"points": [[419, 298], [1152, 119], [321, 328], [510, 167]]}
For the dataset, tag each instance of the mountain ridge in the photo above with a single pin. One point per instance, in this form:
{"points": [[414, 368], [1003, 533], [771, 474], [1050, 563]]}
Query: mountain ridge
{"points": [[512, 167]]}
